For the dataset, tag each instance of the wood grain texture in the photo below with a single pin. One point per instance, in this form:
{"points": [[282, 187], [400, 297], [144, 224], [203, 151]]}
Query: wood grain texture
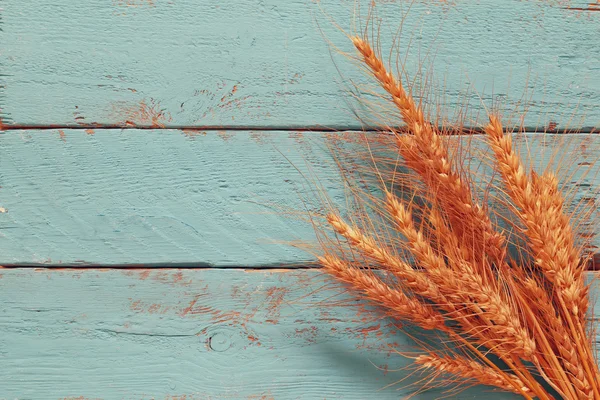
{"points": [[267, 63], [194, 334], [112, 197], [166, 196]]}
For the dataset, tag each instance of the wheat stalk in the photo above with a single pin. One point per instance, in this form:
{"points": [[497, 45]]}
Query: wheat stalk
{"points": [[464, 284]]}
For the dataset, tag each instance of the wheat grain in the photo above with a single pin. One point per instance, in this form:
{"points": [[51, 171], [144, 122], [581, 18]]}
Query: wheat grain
{"points": [[472, 370], [426, 154], [415, 280], [463, 284], [395, 300]]}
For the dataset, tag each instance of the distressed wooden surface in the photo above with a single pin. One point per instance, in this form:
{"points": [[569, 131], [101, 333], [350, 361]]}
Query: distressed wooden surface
{"points": [[267, 64], [107, 197], [204, 334], [165, 197]]}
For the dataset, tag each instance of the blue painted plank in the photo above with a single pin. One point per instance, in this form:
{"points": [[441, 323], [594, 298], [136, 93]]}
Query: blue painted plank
{"points": [[267, 63], [127, 197], [194, 334], [109, 197]]}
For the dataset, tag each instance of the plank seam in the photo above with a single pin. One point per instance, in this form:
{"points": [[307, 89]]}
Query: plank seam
{"points": [[190, 266], [467, 130], [593, 265]]}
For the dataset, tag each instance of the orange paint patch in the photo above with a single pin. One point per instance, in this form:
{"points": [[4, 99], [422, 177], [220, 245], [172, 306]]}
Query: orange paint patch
{"points": [[134, 3], [296, 135], [225, 135], [173, 278], [192, 133], [265, 310], [296, 78], [221, 99], [90, 131], [168, 276], [144, 274], [142, 307], [258, 137], [145, 113], [189, 308], [376, 337], [62, 135], [374, 328], [254, 339], [266, 396], [275, 298], [308, 334], [228, 102], [385, 368], [141, 274], [79, 398]]}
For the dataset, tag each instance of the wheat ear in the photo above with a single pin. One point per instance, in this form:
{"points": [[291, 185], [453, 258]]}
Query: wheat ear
{"points": [[464, 286], [427, 155], [402, 306], [415, 280], [472, 370], [540, 208]]}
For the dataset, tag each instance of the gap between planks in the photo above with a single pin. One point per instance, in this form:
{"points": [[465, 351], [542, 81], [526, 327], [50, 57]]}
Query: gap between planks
{"points": [[467, 130], [162, 266], [593, 265]]}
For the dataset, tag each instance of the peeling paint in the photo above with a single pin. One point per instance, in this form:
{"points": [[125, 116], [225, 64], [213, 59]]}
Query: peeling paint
{"points": [[373, 328], [309, 334], [145, 113], [153, 308], [217, 316], [163, 275], [192, 133], [134, 3], [225, 135], [258, 137], [219, 100], [79, 398], [266, 396], [275, 298]]}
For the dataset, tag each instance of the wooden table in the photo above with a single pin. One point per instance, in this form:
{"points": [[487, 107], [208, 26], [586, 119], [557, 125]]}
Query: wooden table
{"points": [[151, 152]]}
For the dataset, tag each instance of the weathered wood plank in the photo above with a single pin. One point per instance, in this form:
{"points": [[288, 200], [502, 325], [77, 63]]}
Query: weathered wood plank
{"points": [[166, 196], [266, 63], [106, 197], [193, 334]]}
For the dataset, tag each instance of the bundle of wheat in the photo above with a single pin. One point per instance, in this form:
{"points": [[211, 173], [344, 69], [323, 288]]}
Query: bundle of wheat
{"points": [[516, 323]]}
